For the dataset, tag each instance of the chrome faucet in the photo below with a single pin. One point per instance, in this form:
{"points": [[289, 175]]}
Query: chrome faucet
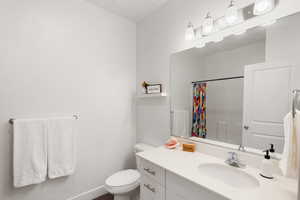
{"points": [[234, 161], [242, 148]]}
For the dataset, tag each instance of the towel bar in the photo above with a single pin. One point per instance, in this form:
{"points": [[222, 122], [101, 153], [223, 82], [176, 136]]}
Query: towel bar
{"points": [[11, 121]]}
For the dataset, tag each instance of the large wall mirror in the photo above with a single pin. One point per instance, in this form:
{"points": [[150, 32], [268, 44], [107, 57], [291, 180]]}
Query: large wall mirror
{"points": [[239, 90]]}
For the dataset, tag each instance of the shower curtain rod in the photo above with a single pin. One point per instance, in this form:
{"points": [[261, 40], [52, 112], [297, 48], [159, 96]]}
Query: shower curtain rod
{"points": [[218, 79]]}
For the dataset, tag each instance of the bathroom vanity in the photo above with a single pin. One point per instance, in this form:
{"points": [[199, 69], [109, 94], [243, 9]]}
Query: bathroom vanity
{"points": [[177, 175]]}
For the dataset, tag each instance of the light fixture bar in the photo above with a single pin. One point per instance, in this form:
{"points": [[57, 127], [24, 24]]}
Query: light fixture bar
{"points": [[246, 13]]}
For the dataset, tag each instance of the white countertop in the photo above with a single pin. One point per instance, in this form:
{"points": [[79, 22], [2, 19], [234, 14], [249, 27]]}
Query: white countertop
{"points": [[185, 165]]}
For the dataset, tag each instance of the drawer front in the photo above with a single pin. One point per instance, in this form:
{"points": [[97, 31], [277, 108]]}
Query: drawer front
{"points": [[155, 172], [151, 190]]}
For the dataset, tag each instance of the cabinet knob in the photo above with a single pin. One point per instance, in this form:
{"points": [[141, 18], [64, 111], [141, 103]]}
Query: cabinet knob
{"points": [[246, 127]]}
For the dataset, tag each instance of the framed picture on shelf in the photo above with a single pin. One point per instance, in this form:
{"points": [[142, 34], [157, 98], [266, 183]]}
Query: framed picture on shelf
{"points": [[154, 89]]}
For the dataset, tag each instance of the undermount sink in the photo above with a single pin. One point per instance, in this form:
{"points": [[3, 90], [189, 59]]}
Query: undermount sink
{"points": [[229, 175]]}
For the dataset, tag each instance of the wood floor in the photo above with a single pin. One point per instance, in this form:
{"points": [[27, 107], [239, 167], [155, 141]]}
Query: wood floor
{"points": [[105, 197]]}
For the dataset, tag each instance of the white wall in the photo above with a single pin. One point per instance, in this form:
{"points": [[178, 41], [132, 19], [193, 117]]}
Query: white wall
{"points": [[68, 57]]}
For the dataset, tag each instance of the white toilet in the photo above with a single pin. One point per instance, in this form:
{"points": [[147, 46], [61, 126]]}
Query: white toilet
{"points": [[123, 183]]}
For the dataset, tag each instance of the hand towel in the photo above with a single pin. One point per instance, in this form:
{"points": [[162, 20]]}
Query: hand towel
{"points": [[61, 147], [29, 152], [289, 162]]}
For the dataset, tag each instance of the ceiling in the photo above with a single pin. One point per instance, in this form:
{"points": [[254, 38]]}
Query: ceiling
{"points": [[134, 10]]}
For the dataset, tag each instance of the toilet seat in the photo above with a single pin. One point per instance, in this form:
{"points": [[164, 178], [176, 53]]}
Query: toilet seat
{"points": [[123, 181]]}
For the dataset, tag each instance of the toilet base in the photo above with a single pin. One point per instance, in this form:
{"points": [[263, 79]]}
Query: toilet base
{"points": [[121, 197]]}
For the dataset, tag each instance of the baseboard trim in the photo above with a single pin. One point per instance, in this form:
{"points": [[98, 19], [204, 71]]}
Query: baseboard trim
{"points": [[91, 194]]}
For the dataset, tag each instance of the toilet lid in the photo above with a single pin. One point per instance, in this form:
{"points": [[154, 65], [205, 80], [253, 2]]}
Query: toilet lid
{"points": [[122, 178]]}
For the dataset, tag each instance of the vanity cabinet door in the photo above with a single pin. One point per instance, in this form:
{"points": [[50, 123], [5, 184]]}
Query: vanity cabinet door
{"points": [[151, 190], [182, 189]]}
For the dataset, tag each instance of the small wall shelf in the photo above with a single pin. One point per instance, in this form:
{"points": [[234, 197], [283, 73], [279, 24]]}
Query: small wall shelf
{"points": [[141, 96]]}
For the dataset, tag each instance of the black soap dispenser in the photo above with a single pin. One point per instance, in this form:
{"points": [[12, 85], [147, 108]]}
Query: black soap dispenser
{"points": [[267, 166]]}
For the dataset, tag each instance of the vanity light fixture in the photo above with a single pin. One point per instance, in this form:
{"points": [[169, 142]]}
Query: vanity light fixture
{"points": [[263, 6], [232, 14], [190, 32], [208, 25]]}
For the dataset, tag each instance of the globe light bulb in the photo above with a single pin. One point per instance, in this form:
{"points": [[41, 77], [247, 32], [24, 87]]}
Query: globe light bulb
{"points": [[263, 6], [232, 15], [190, 32], [208, 25]]}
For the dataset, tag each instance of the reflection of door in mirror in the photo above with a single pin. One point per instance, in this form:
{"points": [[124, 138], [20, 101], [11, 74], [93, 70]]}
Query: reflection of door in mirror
{"points": [[267, 93]]}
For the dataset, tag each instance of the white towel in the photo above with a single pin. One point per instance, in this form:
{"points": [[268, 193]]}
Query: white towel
{"points": [[30, 152], [289, 162], [180, 123], [61, 147]]}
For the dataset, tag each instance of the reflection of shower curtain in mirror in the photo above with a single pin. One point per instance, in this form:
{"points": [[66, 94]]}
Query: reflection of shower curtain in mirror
{"points": [[199, 110]]}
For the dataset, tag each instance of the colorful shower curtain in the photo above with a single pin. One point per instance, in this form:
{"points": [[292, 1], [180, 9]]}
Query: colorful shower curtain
{"points": [[199, 110]]}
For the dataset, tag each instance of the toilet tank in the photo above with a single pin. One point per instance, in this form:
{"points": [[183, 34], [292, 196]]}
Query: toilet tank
{"points": [[140, 147]]}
